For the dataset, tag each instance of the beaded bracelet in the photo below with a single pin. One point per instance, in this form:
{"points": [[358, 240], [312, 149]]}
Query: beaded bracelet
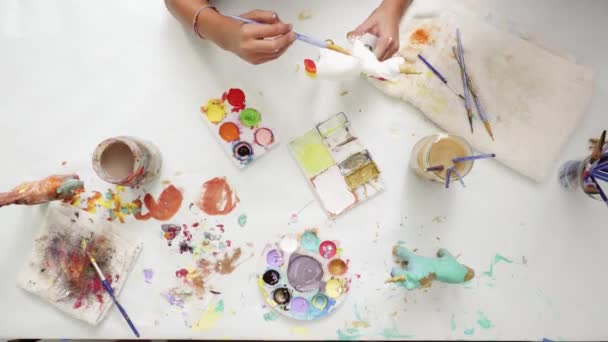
{"points": [[195, 19]]}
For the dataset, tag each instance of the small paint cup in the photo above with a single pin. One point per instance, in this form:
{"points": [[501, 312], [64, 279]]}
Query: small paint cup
{"points": [[126, 161], [571, 177], [440, 149]]}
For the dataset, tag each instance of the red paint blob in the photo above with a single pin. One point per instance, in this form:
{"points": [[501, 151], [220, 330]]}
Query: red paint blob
{"points": [[217, 197], [181, 273], [169, 202], [328, 249], [236, 98], [310, 66]]}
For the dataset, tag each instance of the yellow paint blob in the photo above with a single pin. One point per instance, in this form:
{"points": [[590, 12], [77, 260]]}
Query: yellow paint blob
{"points": [[334, 288], [215, 110]]}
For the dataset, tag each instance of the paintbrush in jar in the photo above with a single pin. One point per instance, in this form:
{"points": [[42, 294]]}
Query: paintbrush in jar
{"points": [[597, 151], [108, 287]]}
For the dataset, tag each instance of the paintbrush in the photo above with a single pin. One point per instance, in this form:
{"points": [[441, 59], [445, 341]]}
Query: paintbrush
{"points": [[108, 287], [469, 85], [448, 175], [303, 38], [457, 174], [467, 96], [476, 157], [597, 151], [436, 168], [439, 75]]}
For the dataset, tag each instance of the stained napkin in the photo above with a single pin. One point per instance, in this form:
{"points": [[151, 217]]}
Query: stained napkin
{"points": [[533, 98]]}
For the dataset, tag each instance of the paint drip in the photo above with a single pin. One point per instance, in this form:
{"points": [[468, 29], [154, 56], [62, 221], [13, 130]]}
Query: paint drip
{"points": [[310, 68], [217, 197]]}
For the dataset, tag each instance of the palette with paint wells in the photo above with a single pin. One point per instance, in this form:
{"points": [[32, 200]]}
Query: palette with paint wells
{"points": [[340, 170], [240, 129], [303, 276]]}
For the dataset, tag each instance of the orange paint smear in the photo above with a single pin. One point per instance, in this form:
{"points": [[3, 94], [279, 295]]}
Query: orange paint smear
{"points": [[420, 36], [229, 131], [217, 197], [168, 204], [310, 67]]}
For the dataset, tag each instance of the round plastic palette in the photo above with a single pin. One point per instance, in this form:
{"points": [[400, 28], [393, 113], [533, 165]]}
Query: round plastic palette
{"points": [[303, 276]]}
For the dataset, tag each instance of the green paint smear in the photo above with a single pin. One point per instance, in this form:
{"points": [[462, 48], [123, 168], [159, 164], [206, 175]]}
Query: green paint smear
{"points": [[220, 306], [242, 220], [350, 334], [453, 321], [250, 117], [311, 153], [271, 316], [393, 333], [469, 331], [497, 258], [445, 267], [483, 321]]}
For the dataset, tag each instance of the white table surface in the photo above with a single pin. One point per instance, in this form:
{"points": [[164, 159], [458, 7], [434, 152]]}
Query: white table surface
{"points": [[75, 72]]}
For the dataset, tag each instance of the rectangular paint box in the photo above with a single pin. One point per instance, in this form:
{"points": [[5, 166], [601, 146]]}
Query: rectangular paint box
{"points": [[340, 170], [240, 129]]}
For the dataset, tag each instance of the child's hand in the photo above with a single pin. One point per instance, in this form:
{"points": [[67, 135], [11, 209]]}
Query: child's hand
{"points": [[260, 43], [383, 23]]}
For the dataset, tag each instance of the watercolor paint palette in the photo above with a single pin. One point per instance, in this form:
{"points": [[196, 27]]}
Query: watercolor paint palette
{"points": [[59, 272], [340, 170], [303, 277], [240, 129]]}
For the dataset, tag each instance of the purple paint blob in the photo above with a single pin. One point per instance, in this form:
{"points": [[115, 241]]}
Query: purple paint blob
{"points": [[304, 273], [275, 258], [148, 275], [299, 305]]}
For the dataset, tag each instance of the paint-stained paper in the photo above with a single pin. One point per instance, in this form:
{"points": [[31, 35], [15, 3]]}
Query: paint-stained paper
{"points": [[58, 271], [340, 170]]}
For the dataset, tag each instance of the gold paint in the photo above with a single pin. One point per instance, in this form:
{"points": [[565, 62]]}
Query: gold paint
{"points": [[363, 175], [337, 267], [397, 279], [332, 46]]}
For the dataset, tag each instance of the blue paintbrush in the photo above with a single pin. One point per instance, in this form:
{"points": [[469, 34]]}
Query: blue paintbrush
{"points": [[109, 290], [303, 38], [476, 157], [439, 75]]}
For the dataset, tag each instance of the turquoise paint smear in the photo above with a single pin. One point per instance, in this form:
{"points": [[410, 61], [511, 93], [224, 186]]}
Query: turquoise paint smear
{"points": [[453, 321], [483, 321], [497, 258], [393, 333], [469, 331], [220, 306], [357, 314], [242, 220], [271, 316], [350, 334]]}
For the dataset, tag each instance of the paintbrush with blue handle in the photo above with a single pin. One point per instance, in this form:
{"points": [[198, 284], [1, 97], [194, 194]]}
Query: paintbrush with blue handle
{"points": [[108, 287], [303, 38]]}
